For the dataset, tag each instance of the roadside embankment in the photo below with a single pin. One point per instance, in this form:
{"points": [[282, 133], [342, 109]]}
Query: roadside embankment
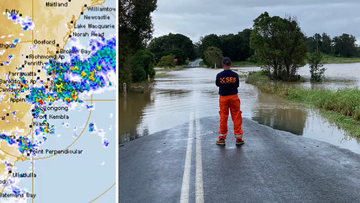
{"points": [[161, 72], [145, 86], [341, 106]]}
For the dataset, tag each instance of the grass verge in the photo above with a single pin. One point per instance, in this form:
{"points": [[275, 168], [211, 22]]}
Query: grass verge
{"points": [[341, 106], [241, 75], [332, 59], [202, 64], [243, 63]]}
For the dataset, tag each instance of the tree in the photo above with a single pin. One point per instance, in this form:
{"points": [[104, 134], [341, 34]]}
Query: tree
{"points": [[156, 46], [161, 46], [310, 44], [317, 38], [247, 51], [135, 22], [208, 41], [344, 45], [179, 54], [124, 67], [325, 44], [213, 55], [227, 46], [233, 46], [142, 64], [316, 66], [135, 28], [279, 46], [197, 48], [167, 61]]}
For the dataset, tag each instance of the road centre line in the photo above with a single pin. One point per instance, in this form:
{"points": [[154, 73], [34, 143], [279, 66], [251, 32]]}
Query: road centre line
{"points": [[184, 198], [199, 191]]}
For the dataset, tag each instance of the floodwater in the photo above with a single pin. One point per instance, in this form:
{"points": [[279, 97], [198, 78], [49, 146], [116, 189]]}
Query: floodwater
{"points": [[337, 76], [172, 98]]}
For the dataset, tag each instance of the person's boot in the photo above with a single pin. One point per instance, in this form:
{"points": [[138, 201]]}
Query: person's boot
{"points": [[239, 141], [221, 140]]}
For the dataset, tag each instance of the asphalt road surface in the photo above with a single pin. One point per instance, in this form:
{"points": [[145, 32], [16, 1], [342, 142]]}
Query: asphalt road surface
{"points": [[194, 63], [183, 164]]}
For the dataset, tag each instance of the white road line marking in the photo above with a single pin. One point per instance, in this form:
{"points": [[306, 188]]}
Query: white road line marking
{"points": [[184, 198], [199, 191]]}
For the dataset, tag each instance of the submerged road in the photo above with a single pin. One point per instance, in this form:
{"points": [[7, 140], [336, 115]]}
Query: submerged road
{"points": [[194, 63], [183, 164]]}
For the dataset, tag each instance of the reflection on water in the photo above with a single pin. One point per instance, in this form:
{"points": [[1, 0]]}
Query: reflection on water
{"points": [[180, 92], [130, 113], [277, 114]]}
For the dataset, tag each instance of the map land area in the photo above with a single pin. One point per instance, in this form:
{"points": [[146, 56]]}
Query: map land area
{"points": [[58, 85]]}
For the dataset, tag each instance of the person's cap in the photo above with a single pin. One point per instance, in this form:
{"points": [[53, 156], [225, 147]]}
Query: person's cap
{"points": [[226, 60]]}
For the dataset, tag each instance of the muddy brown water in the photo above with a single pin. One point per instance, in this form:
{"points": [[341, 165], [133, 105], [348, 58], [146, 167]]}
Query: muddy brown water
{"points": [[173, 97]]}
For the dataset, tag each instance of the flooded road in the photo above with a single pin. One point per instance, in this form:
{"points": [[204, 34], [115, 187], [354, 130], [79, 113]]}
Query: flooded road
{"points": [[194, 63], [168, 105]]}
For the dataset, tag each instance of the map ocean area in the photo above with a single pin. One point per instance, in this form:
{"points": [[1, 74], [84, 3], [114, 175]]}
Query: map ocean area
{"points": [[50, 79]]}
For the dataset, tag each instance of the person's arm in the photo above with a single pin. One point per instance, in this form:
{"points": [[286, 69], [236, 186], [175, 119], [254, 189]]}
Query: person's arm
{"points": [[217, 81], [237, 80]]}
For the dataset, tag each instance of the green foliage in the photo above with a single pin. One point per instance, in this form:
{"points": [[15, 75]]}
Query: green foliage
{"points": [[208, 41], [243, 63], [316, 66], [279, 46], [142, 64], [124, 66], [325, 44], [179, 54], [248, 52], [257, 76], [237, 47], [124, 72], [310, 44], [345, 101], [135, 28], [197, 48], [344, 45], [336, 59], [172, 43], [213, 55], [252, 59], [233, 46], [167, 61], [318, 42], [135, 22], [138, 74]]}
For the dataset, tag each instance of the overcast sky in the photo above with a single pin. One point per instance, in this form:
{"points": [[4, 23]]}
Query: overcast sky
{"points": [[195, 18]]}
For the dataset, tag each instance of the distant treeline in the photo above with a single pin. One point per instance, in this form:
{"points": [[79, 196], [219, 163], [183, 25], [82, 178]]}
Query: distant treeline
{"points": [[343, 45], [237, 46]]}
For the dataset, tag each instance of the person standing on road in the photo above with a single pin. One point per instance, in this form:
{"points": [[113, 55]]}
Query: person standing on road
{"points": [[228, 83]]}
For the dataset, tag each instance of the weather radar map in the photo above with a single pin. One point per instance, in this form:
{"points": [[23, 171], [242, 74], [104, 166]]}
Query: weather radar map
{"points": [[58, 85]]}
